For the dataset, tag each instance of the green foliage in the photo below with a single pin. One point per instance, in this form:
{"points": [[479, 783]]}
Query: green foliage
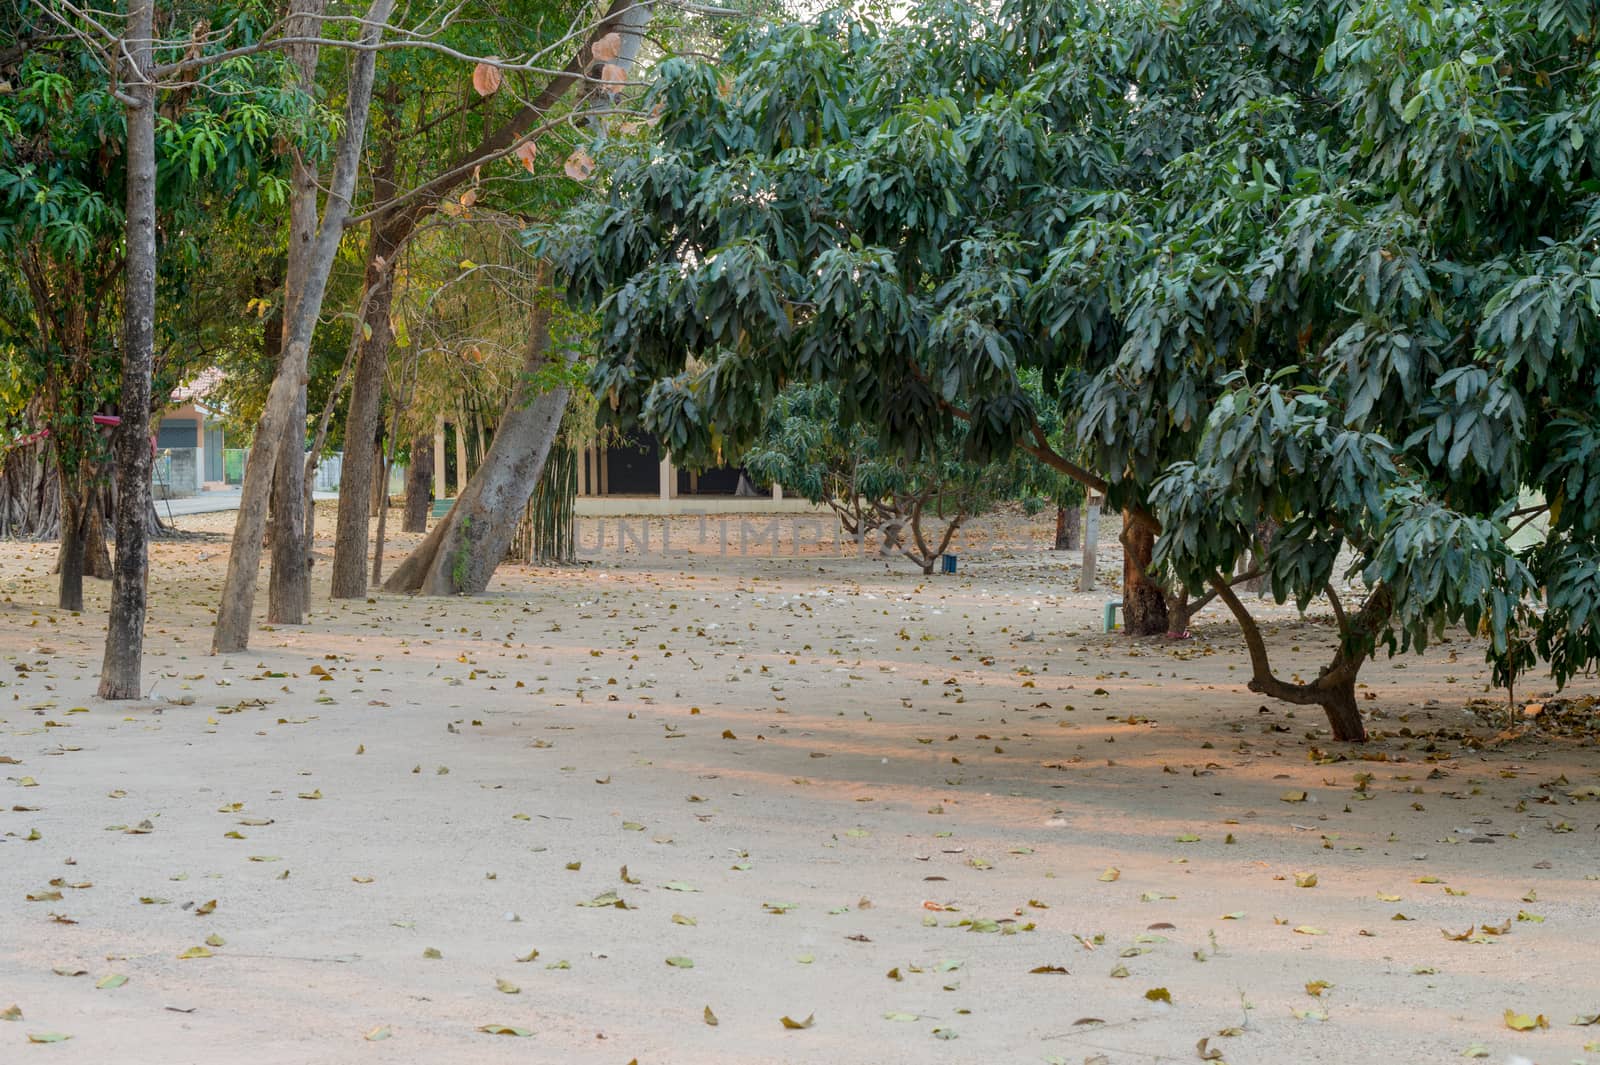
{"points": [[808, 449], [62, 188], [1324, 268]]}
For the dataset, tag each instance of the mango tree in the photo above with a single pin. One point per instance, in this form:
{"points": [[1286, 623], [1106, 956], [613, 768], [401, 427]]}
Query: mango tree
{"points": [[1319, 270]]}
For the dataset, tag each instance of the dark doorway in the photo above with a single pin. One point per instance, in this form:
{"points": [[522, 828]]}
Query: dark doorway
{"points": [[633, 466]]}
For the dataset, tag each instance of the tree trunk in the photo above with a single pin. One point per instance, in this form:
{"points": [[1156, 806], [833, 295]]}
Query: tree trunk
{"points": [[1344, 715], [1067, 526], [1335, 687], [361, 425], [69, 558], [461, 553], [419, 476], [96, 558], [1144, 602], [379, 495], [239, 587], [124, 656], [289, 587]]}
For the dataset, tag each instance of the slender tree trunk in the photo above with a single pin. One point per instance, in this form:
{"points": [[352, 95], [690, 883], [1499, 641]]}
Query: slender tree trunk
{"points": [[124, 656], [289, 588], [361, 425], [379, 493], [1144, 602], [96, 557], [377, 547], [69, 558], [461, 553], [419, 477], [239, 587]]}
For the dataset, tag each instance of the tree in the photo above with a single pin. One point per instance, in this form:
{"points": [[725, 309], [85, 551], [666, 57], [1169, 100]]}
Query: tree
{"points": [[63, 176], [287, 396], [461, 553], [1315, 268], [399, 210], [917, 506], [120, 668]]}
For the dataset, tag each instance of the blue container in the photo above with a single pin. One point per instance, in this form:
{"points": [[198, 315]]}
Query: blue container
{"points": [[947, 563]]}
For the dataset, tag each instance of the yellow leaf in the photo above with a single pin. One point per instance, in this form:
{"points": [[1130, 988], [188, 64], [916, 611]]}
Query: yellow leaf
{"points": [[710, 1018], [503, 1029], [790, 1022], [194, 952], [1305, 880], [1293, 796], [378, 1034], [1315, 988], [506, 987], [1309, 930], [1159, 994], [1521, 1022], [1110, 874]]}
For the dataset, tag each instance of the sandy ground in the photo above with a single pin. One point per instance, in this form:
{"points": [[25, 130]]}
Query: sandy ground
{"points": [[841, 790]]}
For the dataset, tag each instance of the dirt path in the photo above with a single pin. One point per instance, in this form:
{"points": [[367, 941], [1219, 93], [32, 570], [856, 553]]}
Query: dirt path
{"points": [[892, 803]]}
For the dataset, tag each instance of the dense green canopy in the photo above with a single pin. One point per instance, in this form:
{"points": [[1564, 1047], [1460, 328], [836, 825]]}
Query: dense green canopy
{"points": [[1320, 270]]}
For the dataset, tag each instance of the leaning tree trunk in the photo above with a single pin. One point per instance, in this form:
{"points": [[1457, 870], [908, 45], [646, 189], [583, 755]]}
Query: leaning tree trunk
{"points": [[124, 656], [461, 553], [1144, 601], [419, 479], [244, 558]]}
